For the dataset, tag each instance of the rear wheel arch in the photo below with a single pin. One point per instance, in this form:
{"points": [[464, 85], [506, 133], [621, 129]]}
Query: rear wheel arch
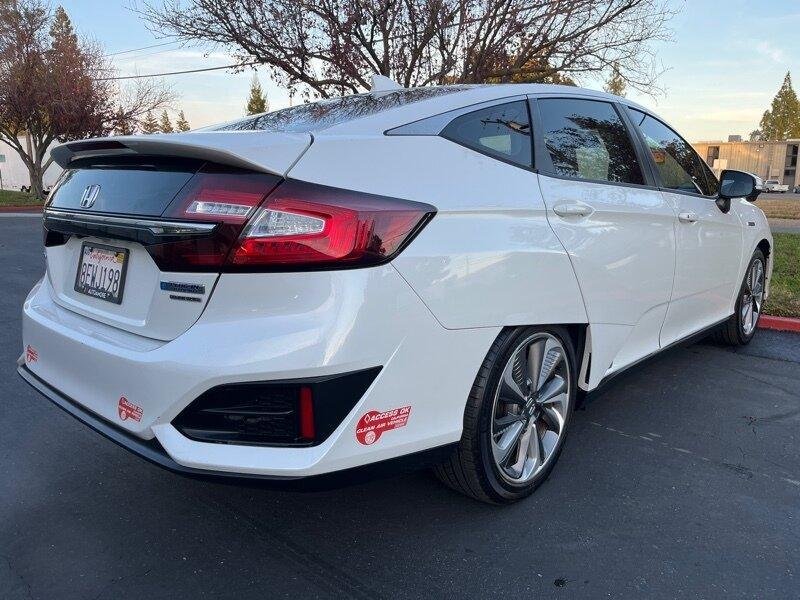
{"points": [[764, 246], [466, 470], [578, 335], [766, 249]]}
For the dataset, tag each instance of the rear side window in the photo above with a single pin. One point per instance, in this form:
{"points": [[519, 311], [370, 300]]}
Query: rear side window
{"points": [[587, 139], [679, 166], [502, 131]]}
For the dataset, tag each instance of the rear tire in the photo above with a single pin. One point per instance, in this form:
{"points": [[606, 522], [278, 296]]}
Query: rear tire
{"points": [[517, 416], [741, 327]]}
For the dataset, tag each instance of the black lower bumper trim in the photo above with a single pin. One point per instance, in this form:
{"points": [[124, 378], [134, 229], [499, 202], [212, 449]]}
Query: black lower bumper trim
{"points": [[153, 452]]}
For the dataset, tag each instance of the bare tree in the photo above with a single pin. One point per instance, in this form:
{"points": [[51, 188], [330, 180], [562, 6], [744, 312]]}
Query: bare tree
{"points": [[333, 46], [56, 87]]}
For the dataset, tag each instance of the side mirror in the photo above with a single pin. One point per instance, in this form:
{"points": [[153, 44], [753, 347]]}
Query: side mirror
{"points": [[739, 184]]}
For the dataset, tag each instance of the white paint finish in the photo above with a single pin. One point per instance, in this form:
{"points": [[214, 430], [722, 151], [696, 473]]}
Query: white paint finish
{"points": [[145, 309], [752, 235], [623, 253], [489, 257], [708, 258], [605, 341], [272, 326], [497, 270], [428, 169]]}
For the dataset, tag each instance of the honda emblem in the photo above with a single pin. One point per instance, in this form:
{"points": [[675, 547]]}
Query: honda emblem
{"points": [[89, 196]]}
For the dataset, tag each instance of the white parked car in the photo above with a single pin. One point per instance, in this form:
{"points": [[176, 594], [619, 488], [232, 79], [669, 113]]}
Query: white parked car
{"points": [[775, 186], [414, 275]]}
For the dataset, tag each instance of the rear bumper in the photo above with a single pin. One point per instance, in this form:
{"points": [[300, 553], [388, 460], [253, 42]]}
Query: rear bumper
{"points": [[153, 452], [262, 328]]}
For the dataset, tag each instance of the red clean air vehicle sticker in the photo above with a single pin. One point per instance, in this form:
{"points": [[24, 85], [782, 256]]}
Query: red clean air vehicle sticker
{"points": [[128, 410], [374, 423]]}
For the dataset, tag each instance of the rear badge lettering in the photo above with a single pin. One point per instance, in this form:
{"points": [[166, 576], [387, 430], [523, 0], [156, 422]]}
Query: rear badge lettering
{"points": [[128, 410], [372, 425], [31, 355], [184, 298], [183, 288]]}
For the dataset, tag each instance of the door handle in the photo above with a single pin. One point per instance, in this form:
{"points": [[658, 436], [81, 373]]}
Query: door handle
{"points": [[687, 217], [573, 210]]}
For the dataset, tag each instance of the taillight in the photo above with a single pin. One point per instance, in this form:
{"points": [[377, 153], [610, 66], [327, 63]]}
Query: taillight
{"points": [[261, 224], [303, 225], [227, 196], [224, 196]]}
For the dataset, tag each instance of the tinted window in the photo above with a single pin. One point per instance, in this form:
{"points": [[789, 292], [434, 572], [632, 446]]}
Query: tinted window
{"points": [[502, 131], [588, 140], [679, 166], [316, 116], [131, 185]]}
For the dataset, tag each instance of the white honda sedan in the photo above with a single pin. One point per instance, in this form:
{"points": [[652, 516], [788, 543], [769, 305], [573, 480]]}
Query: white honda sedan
{"points": [[405, 276]]}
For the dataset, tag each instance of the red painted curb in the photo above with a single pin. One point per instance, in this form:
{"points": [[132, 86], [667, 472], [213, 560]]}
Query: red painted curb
{"points": [[24, 208], [779, 323]]}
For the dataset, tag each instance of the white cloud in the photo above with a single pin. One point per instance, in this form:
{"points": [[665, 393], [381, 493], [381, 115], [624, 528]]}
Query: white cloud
{"points": [[767, 50]]}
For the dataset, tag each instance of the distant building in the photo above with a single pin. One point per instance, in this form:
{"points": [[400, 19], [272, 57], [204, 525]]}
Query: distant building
{"points": [[14, 173], [734, 138], [768, 160]]}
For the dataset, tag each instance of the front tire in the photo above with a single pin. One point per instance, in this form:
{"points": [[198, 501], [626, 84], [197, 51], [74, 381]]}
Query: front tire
{"points": [[741, 327], [517, 416]]}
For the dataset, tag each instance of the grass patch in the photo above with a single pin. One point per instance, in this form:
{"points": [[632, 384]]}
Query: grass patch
{"points": [[11, 198], [780, 209], [784, 299]]}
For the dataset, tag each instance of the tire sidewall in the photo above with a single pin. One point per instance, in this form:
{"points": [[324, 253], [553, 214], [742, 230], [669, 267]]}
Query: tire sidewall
{"points": [[743, 337], [501, 489]]}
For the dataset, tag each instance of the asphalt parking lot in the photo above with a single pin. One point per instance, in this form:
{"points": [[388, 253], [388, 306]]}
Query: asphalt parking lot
{"points": [[681, 479]]}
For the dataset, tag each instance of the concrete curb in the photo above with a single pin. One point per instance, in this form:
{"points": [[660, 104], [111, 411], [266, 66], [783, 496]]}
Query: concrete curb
{"points": [[779, 323]]}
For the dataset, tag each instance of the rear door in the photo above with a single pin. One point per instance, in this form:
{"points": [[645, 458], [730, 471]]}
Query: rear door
{"points": [[616, 226], [136, 239], [709, 241]]}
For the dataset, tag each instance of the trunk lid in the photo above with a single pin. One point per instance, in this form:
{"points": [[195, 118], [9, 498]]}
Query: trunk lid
{"points": [[137, 228]]}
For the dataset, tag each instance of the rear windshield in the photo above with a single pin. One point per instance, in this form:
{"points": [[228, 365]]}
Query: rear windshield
{"points": [[316, 116]]}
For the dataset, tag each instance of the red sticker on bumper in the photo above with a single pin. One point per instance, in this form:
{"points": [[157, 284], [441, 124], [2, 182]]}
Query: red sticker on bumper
{"points": [[31, 355], [128, 410], [374, 423]]}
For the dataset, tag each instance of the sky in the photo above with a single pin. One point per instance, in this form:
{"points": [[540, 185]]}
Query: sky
{"points": [[723, 67]]}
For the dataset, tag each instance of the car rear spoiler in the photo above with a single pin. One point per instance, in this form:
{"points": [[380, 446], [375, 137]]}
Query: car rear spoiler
{"points": [[267, 152]]}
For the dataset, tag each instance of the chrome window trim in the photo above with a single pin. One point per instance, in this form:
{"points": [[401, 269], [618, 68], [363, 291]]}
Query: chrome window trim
{"points": [[435, 124], [155, 226]]}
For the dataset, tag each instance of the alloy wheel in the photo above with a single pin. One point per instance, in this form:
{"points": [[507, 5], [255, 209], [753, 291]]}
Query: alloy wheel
{"points": [[530, 408], [752, 296]]}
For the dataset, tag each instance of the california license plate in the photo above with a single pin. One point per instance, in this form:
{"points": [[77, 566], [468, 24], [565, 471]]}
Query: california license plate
{"points": [[101, 272]]}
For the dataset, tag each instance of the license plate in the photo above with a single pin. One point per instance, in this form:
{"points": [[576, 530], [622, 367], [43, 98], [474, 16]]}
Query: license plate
{"points": [[101, 272]]}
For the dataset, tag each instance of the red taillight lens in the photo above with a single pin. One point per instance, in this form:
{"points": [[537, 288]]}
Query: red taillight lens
{"points": [[303, 225], [224, 196], [221, 196]]}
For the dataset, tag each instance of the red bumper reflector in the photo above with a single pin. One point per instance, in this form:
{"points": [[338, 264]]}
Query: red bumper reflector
{"points": [[307, 429]]}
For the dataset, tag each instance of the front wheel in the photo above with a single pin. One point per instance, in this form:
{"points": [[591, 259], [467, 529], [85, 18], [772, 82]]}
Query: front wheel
{"points": [[517, 416], [741, 327]]}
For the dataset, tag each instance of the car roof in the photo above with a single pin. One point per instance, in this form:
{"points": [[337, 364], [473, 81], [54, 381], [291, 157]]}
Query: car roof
{"points": [[462, 96], [374, 112]]}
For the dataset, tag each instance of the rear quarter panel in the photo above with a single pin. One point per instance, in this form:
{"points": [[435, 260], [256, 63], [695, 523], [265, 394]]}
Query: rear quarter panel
{"points": [[755, 228], [489, 257]]}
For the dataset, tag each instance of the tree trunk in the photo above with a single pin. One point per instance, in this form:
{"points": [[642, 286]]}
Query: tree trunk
{"points": [[36, 174], [35, 170]]}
